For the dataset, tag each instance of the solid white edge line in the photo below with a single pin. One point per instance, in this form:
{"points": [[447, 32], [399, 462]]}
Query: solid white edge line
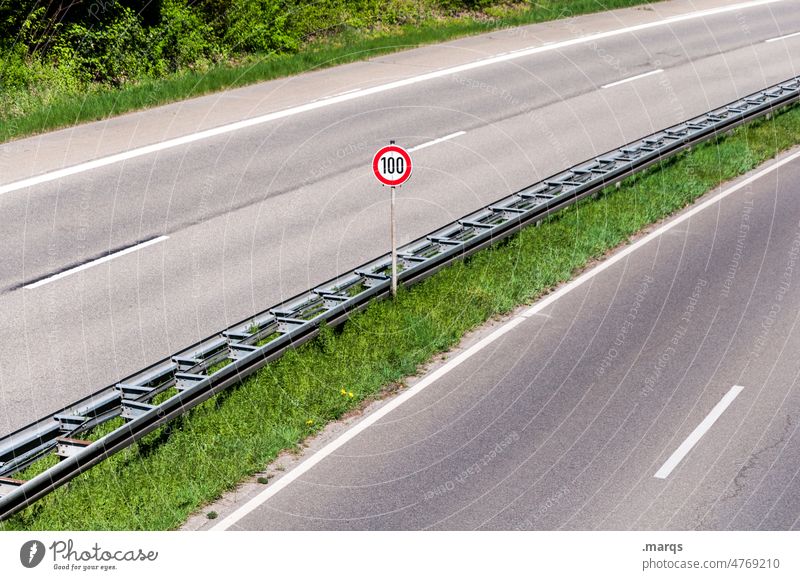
{"points": [[698, 432], [634, 78], [621, 255], [96, 262], [439, 140], [342, 93], [306, 465], [368, 421], [785, 36], [221, 130]]}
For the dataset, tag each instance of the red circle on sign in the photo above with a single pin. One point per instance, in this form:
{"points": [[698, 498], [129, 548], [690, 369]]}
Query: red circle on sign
{"points": [[379, 175]]}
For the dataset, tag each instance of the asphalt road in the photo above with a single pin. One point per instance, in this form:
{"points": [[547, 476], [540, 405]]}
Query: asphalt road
{"points": [[257, 215], [564, 421]]}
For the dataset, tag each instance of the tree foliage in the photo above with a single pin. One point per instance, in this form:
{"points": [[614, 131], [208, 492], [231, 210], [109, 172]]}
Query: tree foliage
{"points": [[113, 41]]}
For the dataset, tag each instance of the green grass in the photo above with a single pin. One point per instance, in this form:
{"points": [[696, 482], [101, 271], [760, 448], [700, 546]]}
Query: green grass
{"points": [[155, 484], [268, 339], [218, 366], [65, 108]]}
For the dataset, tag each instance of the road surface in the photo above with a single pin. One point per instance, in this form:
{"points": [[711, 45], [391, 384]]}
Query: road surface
{"points": [[242, 219], [661, 392]]}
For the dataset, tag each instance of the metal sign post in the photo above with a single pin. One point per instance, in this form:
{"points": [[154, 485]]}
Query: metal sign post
{"points": [[392, 166], [394, 249]]}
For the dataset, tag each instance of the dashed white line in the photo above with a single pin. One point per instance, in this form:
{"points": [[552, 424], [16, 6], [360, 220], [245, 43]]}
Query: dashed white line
{"points": [[306, 465], [439, 140], [630, 79], [96, 262], [186, 139], [699, 431], [783, 37]]}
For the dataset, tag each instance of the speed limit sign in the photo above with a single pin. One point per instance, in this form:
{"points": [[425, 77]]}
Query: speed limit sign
{"points": [[392, 165]]}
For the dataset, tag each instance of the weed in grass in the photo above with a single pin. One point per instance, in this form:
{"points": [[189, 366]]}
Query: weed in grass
{"points": [[356, 289], [164, 395], [268, 339], [38, 467], [387, 271], [218, 366], [104, 429]]}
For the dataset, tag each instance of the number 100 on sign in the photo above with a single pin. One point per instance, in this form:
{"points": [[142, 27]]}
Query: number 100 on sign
{"points": [[392, 165]]}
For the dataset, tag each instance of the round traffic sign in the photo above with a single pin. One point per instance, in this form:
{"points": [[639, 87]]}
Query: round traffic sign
{"points": [[392, 165]]}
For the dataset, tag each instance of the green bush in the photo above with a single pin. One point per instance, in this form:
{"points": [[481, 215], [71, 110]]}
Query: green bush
{"points": [[116, 42], [67, 62], [15, 72], [181, 40], [260, 26], [112, 53]]}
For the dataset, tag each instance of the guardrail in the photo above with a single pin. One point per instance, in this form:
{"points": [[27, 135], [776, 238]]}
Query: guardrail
{"points": [[167, 389]]}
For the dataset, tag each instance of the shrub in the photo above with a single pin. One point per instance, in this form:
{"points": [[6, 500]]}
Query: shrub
{"points": [[260, 26], [181, 40], [110, 53]]}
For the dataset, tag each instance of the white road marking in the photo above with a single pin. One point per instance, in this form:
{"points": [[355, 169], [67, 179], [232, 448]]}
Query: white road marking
{"points": [[547, 301], [306, 465], [88, 265], [364, 424], [439, 140], [629, 79], [516, 50], [699, 431], [783, 37], [208, 133], [340, 94]]}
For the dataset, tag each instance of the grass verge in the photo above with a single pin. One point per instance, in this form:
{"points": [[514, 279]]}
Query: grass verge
{"points": [[157, 483], [64, 109]]}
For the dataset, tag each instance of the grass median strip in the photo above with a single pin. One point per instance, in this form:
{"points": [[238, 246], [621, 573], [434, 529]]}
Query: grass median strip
{"points": [[172, 472]]}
